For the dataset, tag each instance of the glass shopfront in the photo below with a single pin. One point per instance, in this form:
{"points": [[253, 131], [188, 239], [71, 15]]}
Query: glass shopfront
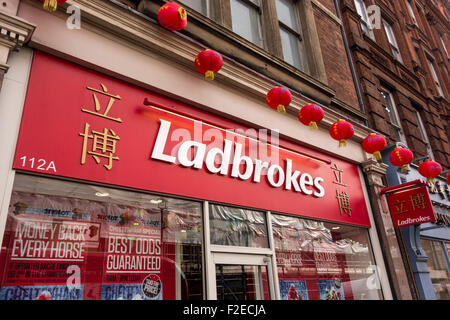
{"points": [[75, 241], [439, 266], [326, 261]]}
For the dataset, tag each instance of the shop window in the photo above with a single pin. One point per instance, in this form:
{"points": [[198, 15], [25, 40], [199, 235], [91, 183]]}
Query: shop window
{"points": [[291, 38], [323, 261], [389, 105], [246, 20], [365, 23], [231, 226], [392, 41], [73, 241], [438, 265]]}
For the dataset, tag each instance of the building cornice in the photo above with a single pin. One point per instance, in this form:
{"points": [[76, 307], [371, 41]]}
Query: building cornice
{"points": [[14, 31]]}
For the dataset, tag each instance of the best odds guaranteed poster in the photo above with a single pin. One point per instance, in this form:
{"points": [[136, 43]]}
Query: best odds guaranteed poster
{"points": [[132, 264]]}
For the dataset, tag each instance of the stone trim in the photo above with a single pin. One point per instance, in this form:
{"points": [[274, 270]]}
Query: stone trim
{"points": [[14, 31]]}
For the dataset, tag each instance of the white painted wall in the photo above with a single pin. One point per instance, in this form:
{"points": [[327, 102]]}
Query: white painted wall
{"points": [[12, 98]]}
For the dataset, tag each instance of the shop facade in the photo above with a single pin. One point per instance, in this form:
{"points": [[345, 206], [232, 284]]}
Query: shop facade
{"points": [[428, 244], [130, 182]]}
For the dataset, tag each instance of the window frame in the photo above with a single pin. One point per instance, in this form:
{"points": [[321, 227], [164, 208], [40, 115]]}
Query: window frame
{"points": [[209, 8], [392, 107], [424, 134], [412, 15], [297, 33], [258, 9], [392, 40], [364, 19], [441, 37], [434, 76]]}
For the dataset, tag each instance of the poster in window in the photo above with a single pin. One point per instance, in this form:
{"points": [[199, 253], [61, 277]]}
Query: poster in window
{"points": [[331, 289], [133, 257], [293, 290], [46, 256]]}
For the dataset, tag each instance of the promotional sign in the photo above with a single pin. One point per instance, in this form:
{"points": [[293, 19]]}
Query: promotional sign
{"points": [[410, 204], [89, 253], [47, 253], [92, 127]]}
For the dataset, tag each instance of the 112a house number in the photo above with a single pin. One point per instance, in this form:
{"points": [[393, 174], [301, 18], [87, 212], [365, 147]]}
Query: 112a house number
{"points": [[38, 164]]}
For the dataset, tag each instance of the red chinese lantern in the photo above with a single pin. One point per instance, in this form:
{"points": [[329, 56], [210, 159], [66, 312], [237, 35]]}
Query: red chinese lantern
{"points": [[342, 131], [401, 157], [208, 62], [172, 16], [51, 5], [430, 170], [448, 179], [279, 98], [374, 144], [311, 115]]}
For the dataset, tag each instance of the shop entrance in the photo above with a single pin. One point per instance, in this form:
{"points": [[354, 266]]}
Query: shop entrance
{"points": [[241, 277]]}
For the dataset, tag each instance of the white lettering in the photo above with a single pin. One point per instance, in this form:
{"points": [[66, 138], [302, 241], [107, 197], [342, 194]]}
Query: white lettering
{"points": [[238, 158], [271, 176], [161, 139], [225, 159], [291, 177], [192, 153], [183, 154]]}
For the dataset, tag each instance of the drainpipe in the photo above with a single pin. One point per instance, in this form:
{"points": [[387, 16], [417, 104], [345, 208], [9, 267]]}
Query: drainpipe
{"points": [[350, 60]]}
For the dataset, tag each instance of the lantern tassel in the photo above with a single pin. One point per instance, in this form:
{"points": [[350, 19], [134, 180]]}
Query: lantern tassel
{"points": [[405, 168], [209, 75], [281, 108], [50, 5], [342, 143], [377, 156], [432, 180], [313, 125], [182, 12]]}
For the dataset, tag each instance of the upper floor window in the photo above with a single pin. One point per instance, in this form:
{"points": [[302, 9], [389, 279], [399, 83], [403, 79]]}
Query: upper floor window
{"points": [[202, 6], [389, 105], [423, 133], [443, 45], [246, 20], [365, 23], [277, 26], [291, 38], [392, 40], [435, 77], [409, 4]]}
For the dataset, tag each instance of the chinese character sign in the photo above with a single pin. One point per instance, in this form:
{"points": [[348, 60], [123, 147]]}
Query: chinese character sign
{"points": [[411, 206]]}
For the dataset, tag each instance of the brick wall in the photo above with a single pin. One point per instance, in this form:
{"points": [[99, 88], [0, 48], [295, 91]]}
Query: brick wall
{"points": [[410, 82], [335, 58]]}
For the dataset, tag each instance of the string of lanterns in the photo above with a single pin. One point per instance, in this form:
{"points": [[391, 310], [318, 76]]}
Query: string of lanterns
{"points": [[173, 17], [208, 62]]}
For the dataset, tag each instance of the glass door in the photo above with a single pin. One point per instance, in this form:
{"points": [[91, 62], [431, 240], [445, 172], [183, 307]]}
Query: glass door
{"points": [[243, 277]]}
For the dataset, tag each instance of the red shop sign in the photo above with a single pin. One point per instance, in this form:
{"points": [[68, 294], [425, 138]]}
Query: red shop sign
{"points": [[409, 204], [93, 127]]}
